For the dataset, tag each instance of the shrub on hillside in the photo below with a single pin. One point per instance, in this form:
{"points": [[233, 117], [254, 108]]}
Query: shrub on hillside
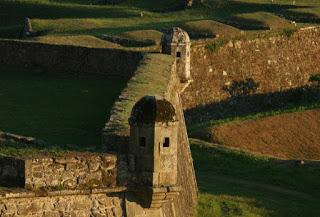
{"points": [[315, 79], [288, 32], [216, 45], [242, 88]]}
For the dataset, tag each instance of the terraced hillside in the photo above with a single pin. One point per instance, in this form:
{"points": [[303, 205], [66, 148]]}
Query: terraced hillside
{"points": [[82, 17]]}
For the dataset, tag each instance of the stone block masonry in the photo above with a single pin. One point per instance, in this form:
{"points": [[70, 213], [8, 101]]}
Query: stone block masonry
{"points": [[63, 203], [79, 171], [277, 64], [71, 171]]}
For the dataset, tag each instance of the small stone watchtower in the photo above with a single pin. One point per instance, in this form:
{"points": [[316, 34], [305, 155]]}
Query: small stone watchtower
{"points": [[154, 142], [176, 42]]}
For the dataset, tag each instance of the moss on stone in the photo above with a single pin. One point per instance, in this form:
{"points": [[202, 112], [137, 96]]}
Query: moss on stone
{"points": [[150, 109]]}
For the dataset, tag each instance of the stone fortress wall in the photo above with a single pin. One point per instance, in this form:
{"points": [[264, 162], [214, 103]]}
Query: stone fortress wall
{"points": [[67, 58], [101, 184], [277, 64], [116, 130], [114, 196]]}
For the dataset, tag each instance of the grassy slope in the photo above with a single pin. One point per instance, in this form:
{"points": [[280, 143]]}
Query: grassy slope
{"points": [[83, 40], [77, 17], [287, 136], [235, 183], [58, 108], [193, 128]]}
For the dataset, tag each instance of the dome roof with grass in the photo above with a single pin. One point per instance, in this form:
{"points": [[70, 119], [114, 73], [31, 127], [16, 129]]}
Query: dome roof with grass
{"points": [[175, 35], [152, 109]]}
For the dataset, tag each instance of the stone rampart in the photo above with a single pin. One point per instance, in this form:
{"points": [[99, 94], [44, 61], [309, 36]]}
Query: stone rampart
{"points": [[79, 176], [103, 181], [156, 76], [275, 64], [66, 58]]}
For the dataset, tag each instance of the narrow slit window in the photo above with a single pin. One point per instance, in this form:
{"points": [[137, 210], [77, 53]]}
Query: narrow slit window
{"points": [[142, 141], [166, 143], [178, 54]]}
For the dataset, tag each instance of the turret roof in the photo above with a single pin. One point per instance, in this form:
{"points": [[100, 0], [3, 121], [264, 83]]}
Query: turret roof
{"points": [[151, 109]]}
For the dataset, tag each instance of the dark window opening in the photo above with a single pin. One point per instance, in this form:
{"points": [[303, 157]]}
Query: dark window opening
{"points": [[178, 54], [142, 141], [166, 142]]}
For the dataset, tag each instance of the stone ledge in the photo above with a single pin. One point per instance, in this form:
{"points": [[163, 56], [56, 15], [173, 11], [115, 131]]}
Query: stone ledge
{"points": [[69, 203], [22, 193]]}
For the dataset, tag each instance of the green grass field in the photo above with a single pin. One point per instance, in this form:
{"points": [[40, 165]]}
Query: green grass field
{"points": [[57, 108], [78, 17], [234, 183]]}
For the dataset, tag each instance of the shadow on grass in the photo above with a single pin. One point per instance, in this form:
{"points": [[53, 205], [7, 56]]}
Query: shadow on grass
{"points": [[281, 189], [241, 106], [227, 14], [157, 6], [12, 12], [118, 30]]}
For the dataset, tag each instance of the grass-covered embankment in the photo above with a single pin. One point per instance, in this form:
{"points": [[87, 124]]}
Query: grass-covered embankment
{"points": [[59, 108], [235, 183], [79, 17]]}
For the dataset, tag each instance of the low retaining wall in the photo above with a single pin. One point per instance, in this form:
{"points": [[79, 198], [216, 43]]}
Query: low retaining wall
{"points": [[67, 58], [71, 171]]}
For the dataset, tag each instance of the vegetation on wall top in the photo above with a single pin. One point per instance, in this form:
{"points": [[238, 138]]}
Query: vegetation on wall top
{"points": [[151, 78]]}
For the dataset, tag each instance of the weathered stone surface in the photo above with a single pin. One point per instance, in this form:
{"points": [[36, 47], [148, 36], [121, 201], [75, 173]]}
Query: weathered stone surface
{"points": [[70, 172], [81, 205], [277, 64]]}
